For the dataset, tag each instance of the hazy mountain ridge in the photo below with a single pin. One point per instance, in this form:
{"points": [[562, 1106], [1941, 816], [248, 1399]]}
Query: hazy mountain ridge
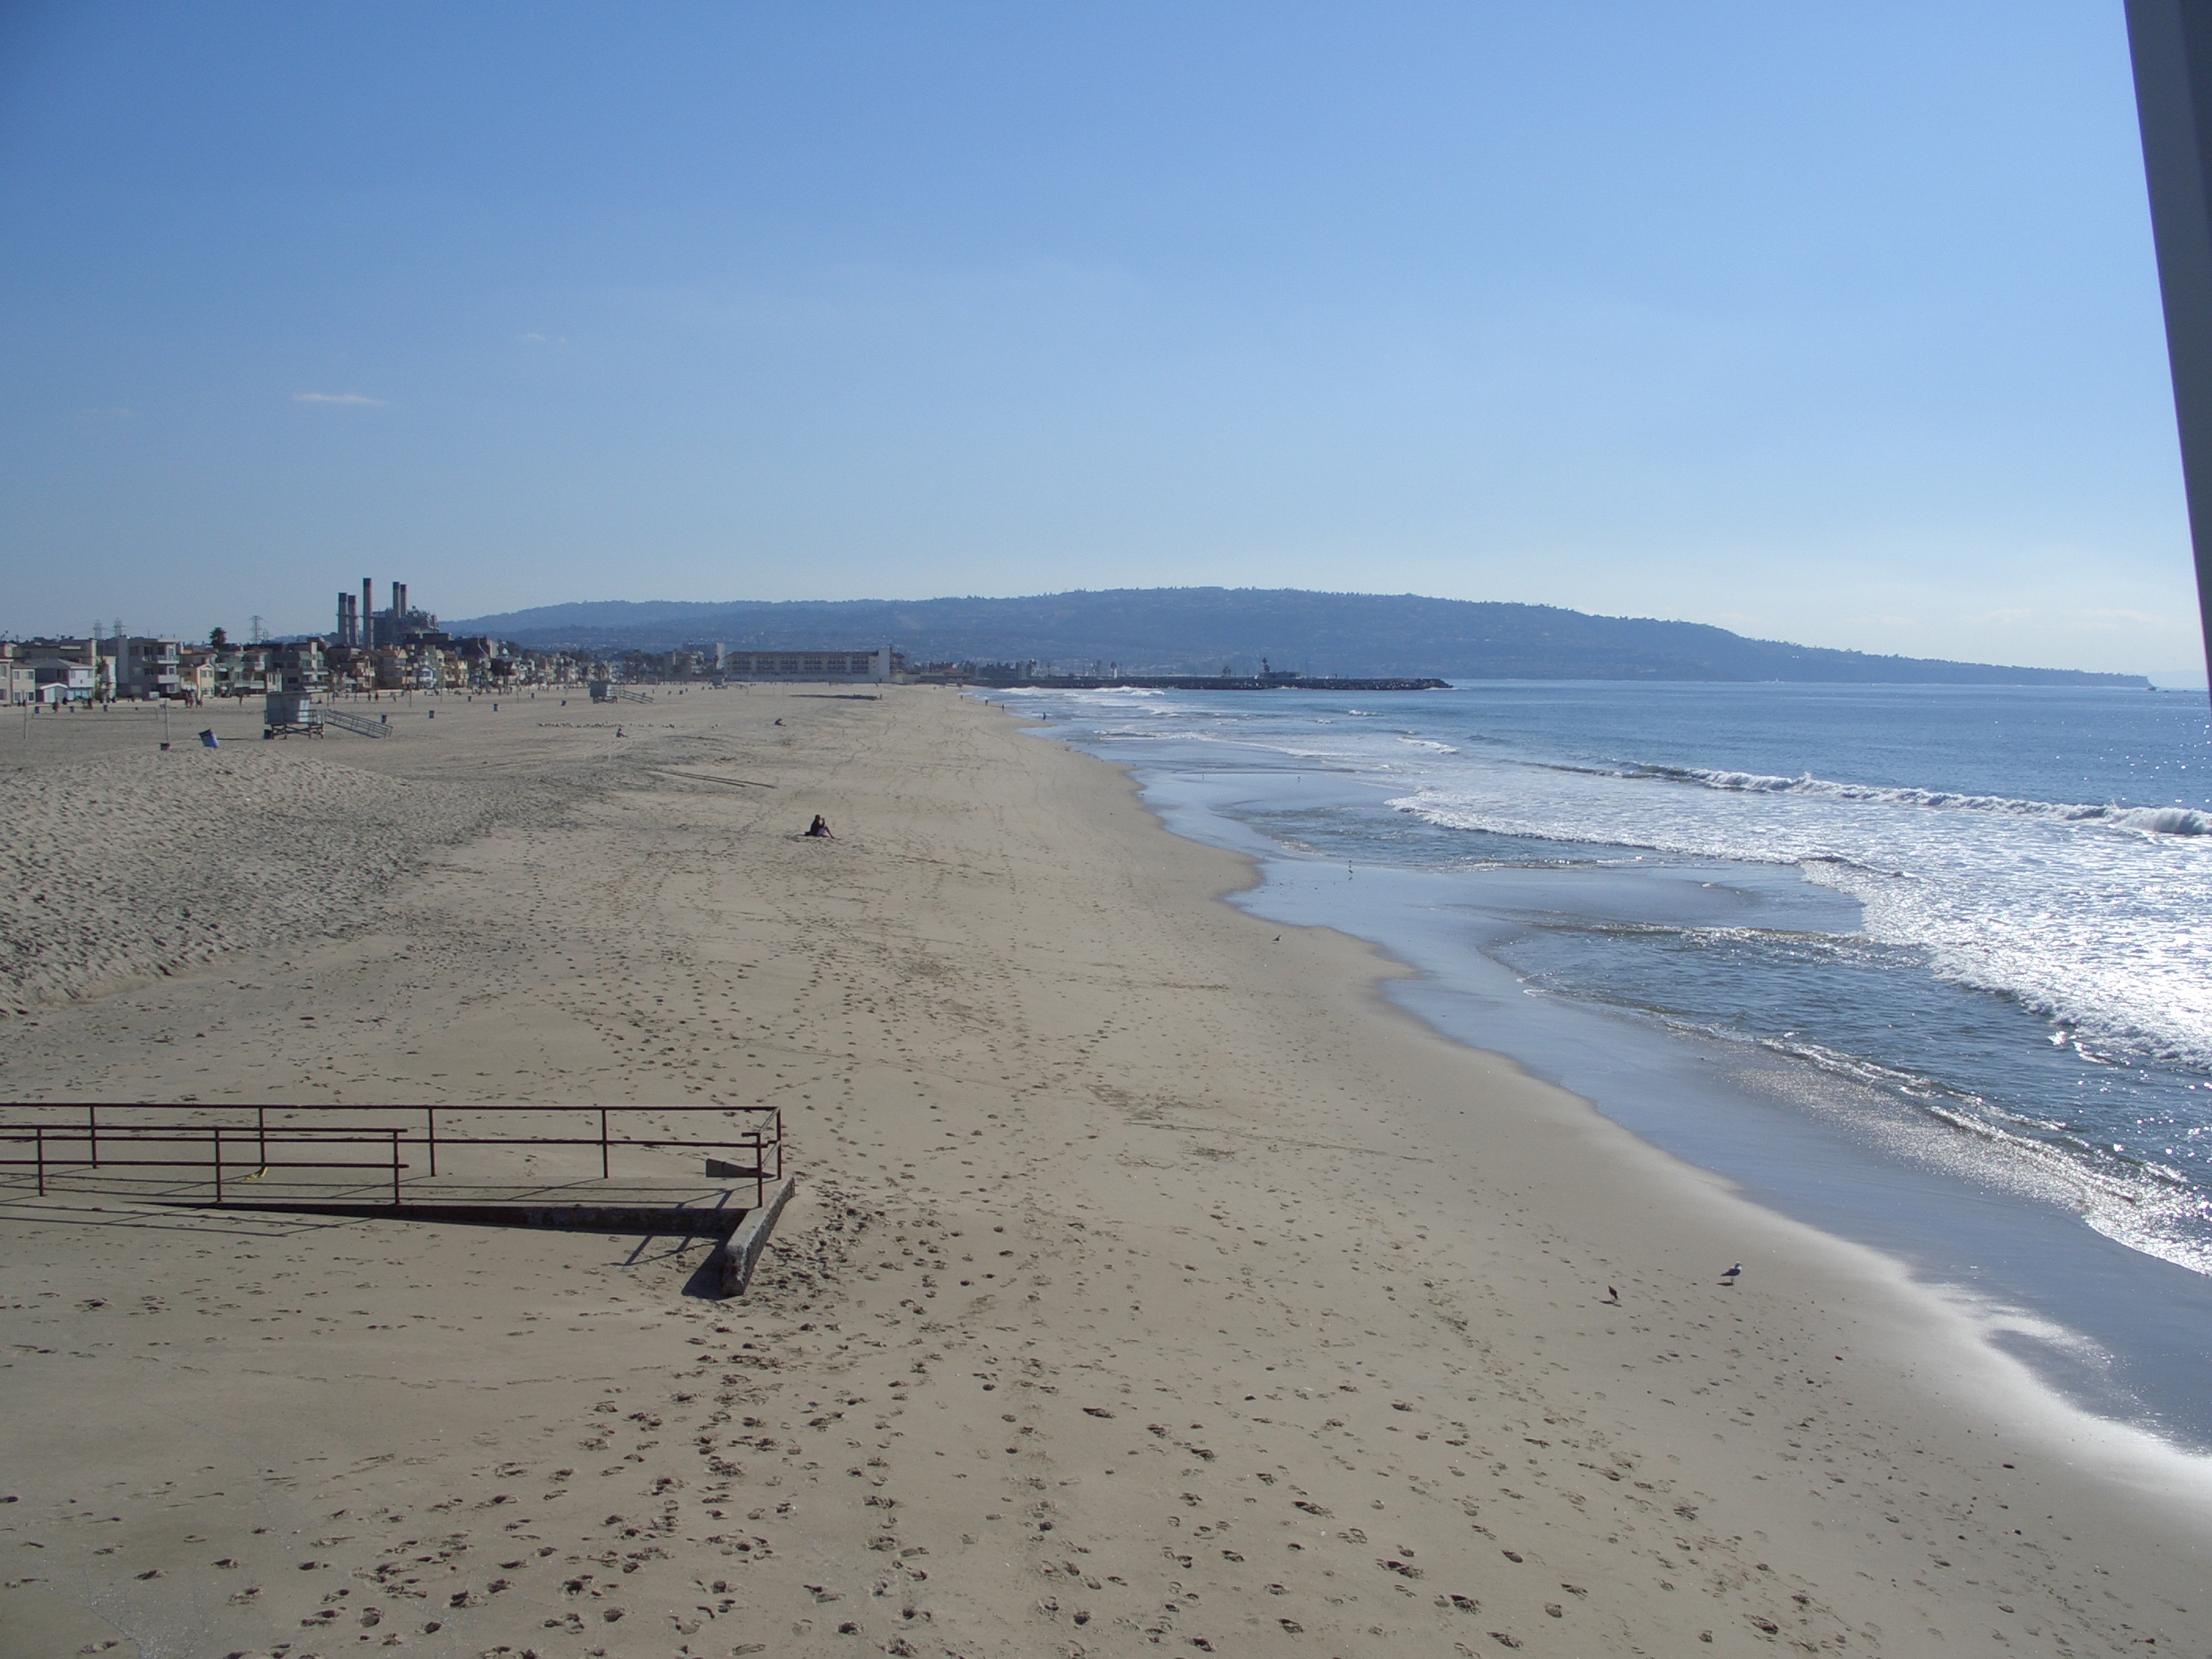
{"points": [[1201, 630]]}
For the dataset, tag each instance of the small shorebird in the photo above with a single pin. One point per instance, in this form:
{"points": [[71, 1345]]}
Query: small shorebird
{"points": [[1612, 1295], [1732, 1274]]}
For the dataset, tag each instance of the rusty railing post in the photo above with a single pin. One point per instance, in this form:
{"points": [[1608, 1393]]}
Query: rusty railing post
{"points": [[261, 1134], [92, 1131], [395, 1169], [39, 1130], [603, 1143], [430, 1120], [216, 1134]]}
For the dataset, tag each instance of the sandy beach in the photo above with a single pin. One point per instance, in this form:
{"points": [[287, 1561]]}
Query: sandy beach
{"points": [[1151, 1283]]}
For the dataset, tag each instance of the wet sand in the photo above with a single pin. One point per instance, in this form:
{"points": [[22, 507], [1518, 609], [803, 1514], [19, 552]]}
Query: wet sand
{"points": [[1151, 1283]]}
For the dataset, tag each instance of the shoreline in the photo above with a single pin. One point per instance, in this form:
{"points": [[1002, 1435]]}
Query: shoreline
{"points": [[2104, 1325], [2130, 1452], [1272, 1346]]}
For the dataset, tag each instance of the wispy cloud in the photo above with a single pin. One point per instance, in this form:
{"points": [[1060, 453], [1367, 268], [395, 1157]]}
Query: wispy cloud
{"points": [[353, 397]]}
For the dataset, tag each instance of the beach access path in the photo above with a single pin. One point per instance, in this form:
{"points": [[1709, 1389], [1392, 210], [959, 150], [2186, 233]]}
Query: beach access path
{"points": [[1151, 1284]]}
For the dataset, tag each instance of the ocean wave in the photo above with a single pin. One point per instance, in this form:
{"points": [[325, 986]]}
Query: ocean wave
{"points": [[2120, 980], [2083, 915], [1447, 813], [2150, 820], [2136, 1201]]}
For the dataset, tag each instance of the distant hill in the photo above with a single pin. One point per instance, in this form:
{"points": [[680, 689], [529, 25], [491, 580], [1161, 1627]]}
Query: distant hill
{"points": [[1166, 630]]}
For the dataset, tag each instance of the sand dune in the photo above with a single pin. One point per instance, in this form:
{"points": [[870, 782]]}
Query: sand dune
{"points": [[1151, 1285]]}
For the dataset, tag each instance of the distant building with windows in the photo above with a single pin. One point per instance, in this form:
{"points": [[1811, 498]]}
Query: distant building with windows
{"points": [[144, 669], [196, 673], [240, 671], [21, 678], [61, 679], [101, 668], [298, 667], [877, 666]]}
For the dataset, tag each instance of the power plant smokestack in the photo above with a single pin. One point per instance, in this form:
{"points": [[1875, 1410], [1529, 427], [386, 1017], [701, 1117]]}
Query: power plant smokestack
{"points": [[398, 611], [368, 615]]}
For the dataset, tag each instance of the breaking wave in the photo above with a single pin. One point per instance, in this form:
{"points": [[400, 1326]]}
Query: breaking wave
{"points": [[2150, 820]]}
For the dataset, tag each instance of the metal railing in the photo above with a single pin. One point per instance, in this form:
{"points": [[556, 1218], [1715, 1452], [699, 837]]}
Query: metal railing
{"points": [[61, 1136], [361, 726], [50, 1144]]}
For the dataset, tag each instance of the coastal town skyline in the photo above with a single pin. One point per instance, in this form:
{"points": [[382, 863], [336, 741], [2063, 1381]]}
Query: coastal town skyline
{"points": [[1261, 639]]}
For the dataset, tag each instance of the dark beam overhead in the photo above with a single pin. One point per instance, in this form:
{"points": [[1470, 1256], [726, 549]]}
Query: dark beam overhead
{"points": [[2171, 42]]}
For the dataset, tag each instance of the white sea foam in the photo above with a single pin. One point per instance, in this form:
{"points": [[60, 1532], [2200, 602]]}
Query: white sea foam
{"points": [[2151, 820], [2090, 916]]}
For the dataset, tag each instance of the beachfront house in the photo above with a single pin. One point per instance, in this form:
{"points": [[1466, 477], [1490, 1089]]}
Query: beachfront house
{"points": [[62, 671], [240, 671], [298, 667], [62, 679], [17, 676], [142, 668], [135, 666], [348, 668], [194, 673], [116, 666]]}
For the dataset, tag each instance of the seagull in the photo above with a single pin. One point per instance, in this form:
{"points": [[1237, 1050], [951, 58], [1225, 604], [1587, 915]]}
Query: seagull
{"points": [[1612, 1295], [1732, 1274]]}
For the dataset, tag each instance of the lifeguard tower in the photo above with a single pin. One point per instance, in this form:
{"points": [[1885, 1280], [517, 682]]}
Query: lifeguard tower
{"points": [[284, 714]]}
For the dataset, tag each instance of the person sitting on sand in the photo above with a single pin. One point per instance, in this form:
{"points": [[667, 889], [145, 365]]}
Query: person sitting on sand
{"points": [[820, 827]]}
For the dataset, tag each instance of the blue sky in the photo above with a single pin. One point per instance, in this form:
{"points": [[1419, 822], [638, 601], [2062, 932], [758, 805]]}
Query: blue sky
{"points": [[1828, 322]]}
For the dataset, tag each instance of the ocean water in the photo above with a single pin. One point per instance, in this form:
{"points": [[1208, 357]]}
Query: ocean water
{"points": [[1930, 967]]}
